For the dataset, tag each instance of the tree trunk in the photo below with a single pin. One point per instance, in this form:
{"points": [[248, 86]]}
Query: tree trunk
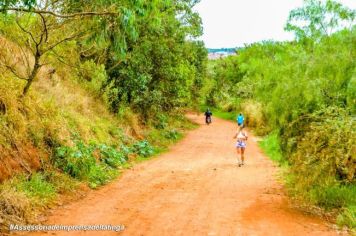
{"points": [[34, 72]]}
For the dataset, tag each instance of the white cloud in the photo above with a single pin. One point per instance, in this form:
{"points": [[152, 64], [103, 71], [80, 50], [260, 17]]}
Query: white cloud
{"points": [[231, 23]]}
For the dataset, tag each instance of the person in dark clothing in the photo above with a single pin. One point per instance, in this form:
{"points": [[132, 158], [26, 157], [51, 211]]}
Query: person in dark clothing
{"points": [[208, 115]]}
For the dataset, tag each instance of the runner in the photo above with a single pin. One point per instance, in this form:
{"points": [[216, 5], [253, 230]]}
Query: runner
{"points": [[240, 120], [241, 145]]}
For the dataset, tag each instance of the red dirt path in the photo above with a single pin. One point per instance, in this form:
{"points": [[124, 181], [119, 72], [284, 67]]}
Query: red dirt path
{"points": [[194, 189]]}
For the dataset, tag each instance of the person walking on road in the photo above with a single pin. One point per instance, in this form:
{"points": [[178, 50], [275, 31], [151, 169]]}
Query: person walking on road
{"points": [[241, 137], [240, 120]]}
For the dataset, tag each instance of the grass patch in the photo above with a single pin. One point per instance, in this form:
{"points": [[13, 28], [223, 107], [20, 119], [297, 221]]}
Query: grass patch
{"points": [[37, 188], [270, 146], [348, 218], [220, 114], [224, 114], [335, 196], [23, 198]]}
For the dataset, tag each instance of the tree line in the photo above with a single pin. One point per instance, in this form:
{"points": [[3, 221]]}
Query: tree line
{"points": [[152, 61]]}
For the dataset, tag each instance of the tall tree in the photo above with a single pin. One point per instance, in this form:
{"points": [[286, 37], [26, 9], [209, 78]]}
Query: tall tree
{"points": [[318, 18], [44, 25]]}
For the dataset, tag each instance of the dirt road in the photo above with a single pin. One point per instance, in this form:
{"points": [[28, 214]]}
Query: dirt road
{"points": [[194, 189]]}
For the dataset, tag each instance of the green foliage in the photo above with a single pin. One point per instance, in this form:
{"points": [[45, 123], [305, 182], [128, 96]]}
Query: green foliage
{"points": [[76, 161], [224, 114], [97, 163], [172, 134], [22, 198], [321, 147], [271, 146], [37, 187], [334, 196], [93, 76], [348, 217], [304, 91], [143, 148], [17, 3], [164, 70], [111, 156], [93, 163], [161, 121], [318, 18], [161, 139]]}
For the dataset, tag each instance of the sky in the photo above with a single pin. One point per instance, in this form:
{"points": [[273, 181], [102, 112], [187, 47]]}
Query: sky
{"points": [[233, 23]]}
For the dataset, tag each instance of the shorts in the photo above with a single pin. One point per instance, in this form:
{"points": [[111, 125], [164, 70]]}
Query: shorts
{"points": [[240, 124], [240, 144]]}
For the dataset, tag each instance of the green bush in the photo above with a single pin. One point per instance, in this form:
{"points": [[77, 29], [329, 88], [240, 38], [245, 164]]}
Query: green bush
{"points": [[172, 134], [100, 174], [111, 156], [143, 148], [321, 147], [77, 161], [37, 186], [334, 196], [161, 121], [93, 163], [348, 217], [270, 145]]}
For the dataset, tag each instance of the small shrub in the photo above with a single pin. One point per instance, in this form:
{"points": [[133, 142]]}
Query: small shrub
{"points": [[161, 121], [62, 182], [37, 187], [143, 148], [348, 217], [111, 156], [100, 174], [172, 134], [334, 196], [75, 161], [270, 145], [93, 163]]}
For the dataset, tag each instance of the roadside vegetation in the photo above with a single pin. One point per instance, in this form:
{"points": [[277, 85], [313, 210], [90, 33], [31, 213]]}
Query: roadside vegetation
{"points": [[86, 90], [301, 94]]}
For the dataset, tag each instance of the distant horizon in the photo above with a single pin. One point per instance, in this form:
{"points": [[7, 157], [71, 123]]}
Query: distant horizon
{"points": [[236, 23]]}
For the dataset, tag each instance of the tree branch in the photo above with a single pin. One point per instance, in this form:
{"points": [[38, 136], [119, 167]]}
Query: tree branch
{"points": [[73, 15], [59, 42], [13, 71], [114, 66], [44, 31], [26, 59], [26, 31]]}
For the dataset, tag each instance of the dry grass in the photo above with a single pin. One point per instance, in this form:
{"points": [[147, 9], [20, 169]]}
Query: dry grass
{"points": [[56, 108], [15, 207]]}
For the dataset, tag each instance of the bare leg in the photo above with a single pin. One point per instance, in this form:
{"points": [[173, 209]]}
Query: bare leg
{"points": [[242, 155], [238, 156]]}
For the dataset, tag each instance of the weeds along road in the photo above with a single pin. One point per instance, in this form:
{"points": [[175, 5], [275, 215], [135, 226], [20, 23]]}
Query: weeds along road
{"points": [[194, 189]]}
